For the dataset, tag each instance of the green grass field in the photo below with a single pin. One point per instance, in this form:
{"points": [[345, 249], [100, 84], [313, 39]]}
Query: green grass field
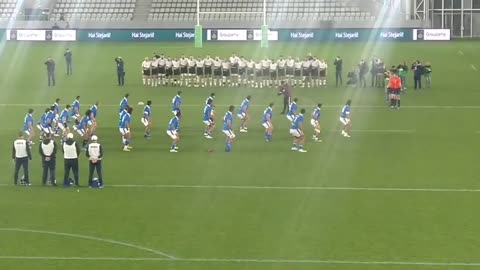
{"points": [[400, 194]]}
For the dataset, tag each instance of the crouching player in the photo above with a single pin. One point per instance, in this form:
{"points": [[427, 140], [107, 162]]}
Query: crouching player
{"points": [[84, 128], [172, 131], [227, 128], [315, 122], [28, 126], [147, 111], [64, 121], [124, 127], [345, 119], [296, 130], [267, 122], [208, 119]]}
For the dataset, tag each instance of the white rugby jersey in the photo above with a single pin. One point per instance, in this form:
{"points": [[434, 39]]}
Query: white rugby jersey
{"points": [[298, 65], [161, 61], [217, 63], [242, 63], [175, 64], [234, 59], [273, 66], [290, 63], [258, 66], [200, 63], [154, 63], [281, 63], [266, 63], [183, 62], [250, 64], [315, 63], [306, 64], [146, 64], [208, 61], [323, 65], [192, 62], [168, 63], [226, 65]]}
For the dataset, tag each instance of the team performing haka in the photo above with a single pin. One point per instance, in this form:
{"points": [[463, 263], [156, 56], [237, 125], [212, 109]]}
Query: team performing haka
{"points": [[235, 71]]}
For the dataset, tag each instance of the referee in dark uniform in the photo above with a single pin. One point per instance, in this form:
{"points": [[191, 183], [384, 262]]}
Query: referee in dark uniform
{"points": [[48, 152], [21, 155], [286, 91], [50, 71], [120, 71]]}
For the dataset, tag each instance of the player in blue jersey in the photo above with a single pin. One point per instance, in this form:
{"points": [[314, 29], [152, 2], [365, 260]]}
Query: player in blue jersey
{"points": [[64, 120], [296, 130], [211, 98], [76, 110], [42, 122], [49, 121], [172, 131], [56, 110], [93, 118], [292, 110], [267, 122], [123, 103], [84, 127], [316, 123], [146, 119], [243, 114], [345, 119], [208, 120], [227, 128], [176, 102], [28, 126], [124, 127]]}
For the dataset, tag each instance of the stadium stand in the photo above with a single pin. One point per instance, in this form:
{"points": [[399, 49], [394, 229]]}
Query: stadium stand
{"points": [[94, 10], [316, 10], [7, 9]]}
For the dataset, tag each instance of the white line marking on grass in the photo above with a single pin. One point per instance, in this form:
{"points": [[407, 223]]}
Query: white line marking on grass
{"points": [[474, 68], [385, 189], [460, 52], [257, 105], [92, 238], [245, 260]]}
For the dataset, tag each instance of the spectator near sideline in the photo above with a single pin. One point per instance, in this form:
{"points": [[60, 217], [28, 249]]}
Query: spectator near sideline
{"points": [[21, 155], [95, 154], [48, 152]]}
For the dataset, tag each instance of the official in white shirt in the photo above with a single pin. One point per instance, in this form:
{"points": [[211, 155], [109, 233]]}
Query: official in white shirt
{"points": [[48, 152], [21, 156], [71, 151], [95, 154]]}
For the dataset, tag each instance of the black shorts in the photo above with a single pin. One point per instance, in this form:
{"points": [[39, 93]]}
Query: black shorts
{"points": [[184, 70], [394, 91], [290, 71], [306, 71], [315, 73], [323, 73], [191, 70], [273, 74], [168, 72], [154, 71], [217, 72], [234, 69], [298, 72], [226, 72], [258, 73], [208, 70], [281, 72], [176, 71], [161, 70], [199, 71], [146, 72], [241, 71]]}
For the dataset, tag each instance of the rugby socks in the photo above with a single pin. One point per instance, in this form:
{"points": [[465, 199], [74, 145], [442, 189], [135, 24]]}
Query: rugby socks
{"points": [[228, 147], [300, 146], [84, 143], [392, 102], [398, 103]]}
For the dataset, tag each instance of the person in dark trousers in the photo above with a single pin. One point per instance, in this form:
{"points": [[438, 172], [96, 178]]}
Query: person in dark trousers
{"points": [[338, 70], [21, 156], [95, 154], [286, 91], [68, 59], [71, 152], [50, 64], [48, 152], [417, 68], [120, 71], [362, 74]]}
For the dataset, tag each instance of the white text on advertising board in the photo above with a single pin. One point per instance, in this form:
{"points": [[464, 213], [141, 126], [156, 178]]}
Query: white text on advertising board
{"points": [[392, 35], [184, 35], [347, 35], [100, 35], [302, 35], [143, 35]]}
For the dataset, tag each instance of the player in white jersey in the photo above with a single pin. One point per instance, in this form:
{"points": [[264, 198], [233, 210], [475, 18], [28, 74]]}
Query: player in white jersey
{"points": [[323, 72], [217, 71], [297, 72], [290, 71], [306, 69], [234, 65], [168, 70], [146, 69], [226, 71], [266, 71], [154, 72], [258, 74], [273, 74], [200, 72], [282, 72], [242, 68], [315, 71], [209, 68], [250, 73], [183, 68], [191, 75], [162, 62], [175, 72]]}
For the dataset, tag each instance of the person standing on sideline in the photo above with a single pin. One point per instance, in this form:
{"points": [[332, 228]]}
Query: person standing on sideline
{"points": [[94, 154], [21, 155], [286, 91], [417, 68], [68, 59], [50, 64], [338, 70], [48, 152], [120, 71], [71, 150], [362, 74]]}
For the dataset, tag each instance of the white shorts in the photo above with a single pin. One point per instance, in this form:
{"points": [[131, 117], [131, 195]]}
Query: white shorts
{"points": [[207, 122], [76, 116], [314, 123], [81, 131], [290, 117], [295, 133], [39, 127], [174, 113], [229, 133], [344, 121], [242, 115], [47, 130], [266, 124], [124, 131], [27, 132], [145, 121], [62, 126], [172, 134]]}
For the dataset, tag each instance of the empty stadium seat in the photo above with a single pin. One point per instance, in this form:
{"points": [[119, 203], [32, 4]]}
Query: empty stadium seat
{"points": [[94, 10], [316, 10]]}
